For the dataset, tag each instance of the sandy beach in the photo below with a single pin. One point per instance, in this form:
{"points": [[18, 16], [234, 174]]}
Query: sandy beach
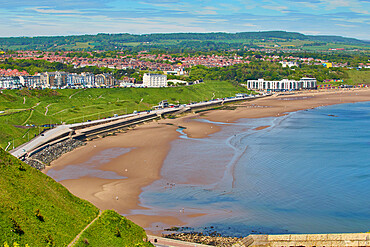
{"points": [[150, 143]]}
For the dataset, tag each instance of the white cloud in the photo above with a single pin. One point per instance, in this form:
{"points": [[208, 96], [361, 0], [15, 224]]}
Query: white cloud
{"points": [[311, 32], [360, 11], [249, 25], [206, 12], [282, 9], [47, 10], [353, 20], [333, 4], [345, 25], [230, 7]]}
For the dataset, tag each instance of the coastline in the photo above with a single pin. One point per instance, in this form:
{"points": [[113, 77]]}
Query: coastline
{"points": [[149, 144]]}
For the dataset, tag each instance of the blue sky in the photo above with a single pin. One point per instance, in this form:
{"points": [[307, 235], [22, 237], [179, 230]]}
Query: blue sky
{"points": [[349, 18]]}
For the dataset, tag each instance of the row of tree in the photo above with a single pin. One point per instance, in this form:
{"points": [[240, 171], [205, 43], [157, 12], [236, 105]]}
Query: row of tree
{"points": [[176, 41]]}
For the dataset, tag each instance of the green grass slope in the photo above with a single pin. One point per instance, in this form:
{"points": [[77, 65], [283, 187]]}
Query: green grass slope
{"points": [[36, 210], [111, 229], [358, 77], [39, 107]]}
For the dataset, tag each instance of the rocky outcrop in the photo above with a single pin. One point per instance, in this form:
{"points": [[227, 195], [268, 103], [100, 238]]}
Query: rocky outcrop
{"points": [[203, 239], [35, 164]]}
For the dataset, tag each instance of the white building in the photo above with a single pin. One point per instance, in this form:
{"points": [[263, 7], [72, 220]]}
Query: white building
{"points": [[30, 81], [75, 81], [154, 80], [89, 79], [283, 85], [53, 80], [309, 83], [177, 71], [10, 82], [289, 64]]}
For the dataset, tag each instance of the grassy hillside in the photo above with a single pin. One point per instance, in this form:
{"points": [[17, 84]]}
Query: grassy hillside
{"points": [[358, 76], [112, 230], [40, 107], [36, 210]]}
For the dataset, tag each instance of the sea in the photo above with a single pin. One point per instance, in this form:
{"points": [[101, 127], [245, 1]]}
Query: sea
{"points": [[307, 172]]}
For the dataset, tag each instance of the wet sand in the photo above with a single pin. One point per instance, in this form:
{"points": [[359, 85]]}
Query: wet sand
{"points": [[151, 142], [262, 127]]}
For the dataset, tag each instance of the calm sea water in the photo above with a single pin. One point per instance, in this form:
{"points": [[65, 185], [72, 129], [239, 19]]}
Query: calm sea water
{"points": [[309, 172]]}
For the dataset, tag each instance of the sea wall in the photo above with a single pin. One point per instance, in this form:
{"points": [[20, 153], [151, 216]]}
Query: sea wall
{"points": [[43, 157], [308, 240], [197, 237]]}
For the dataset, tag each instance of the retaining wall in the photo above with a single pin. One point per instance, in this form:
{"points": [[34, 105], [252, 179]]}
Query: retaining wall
{"points": [[308, 240]]}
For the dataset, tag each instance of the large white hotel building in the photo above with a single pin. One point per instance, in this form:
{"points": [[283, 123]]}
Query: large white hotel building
{"points": [[154, 80], [283, 85]]}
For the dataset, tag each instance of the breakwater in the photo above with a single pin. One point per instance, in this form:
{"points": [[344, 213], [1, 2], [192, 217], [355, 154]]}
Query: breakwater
{"points": [[212, 240], [286, 240]]}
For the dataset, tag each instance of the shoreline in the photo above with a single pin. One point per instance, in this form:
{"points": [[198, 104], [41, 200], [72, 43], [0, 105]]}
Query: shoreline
{"points": [[150, 143]]}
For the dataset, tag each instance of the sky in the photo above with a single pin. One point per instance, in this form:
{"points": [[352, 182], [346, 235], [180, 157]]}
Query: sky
{"points": [[349, 18]]}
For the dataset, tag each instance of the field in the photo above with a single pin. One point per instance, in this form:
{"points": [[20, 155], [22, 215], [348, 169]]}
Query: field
{"points": [[36, 210], [25, 112], [328, 46], [77, 45]]}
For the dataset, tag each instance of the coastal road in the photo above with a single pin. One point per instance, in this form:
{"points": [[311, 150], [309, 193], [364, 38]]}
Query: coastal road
{"points": [[63, 130], [40, 140]]}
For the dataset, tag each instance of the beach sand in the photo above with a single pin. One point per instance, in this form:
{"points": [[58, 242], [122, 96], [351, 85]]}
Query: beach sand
{"points": [[279, 105], [150, 143]]}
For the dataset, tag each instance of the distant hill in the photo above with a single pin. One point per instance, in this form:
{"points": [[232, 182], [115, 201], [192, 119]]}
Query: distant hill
{"points": [[195, 41], [36, 210]]}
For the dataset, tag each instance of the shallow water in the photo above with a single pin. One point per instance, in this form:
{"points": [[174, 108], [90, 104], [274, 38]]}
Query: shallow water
{"points": [[90, 168], [309, 172]]}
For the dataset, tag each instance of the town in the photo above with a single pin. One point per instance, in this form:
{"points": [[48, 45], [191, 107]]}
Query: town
{"points": [[147, 70], [117, 132]]}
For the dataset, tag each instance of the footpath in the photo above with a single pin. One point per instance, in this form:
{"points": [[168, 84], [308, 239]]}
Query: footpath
{"points": [[79, 235]]}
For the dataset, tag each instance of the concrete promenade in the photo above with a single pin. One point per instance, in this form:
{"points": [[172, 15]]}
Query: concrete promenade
{"points": [[62, 131], [307, 240]]}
